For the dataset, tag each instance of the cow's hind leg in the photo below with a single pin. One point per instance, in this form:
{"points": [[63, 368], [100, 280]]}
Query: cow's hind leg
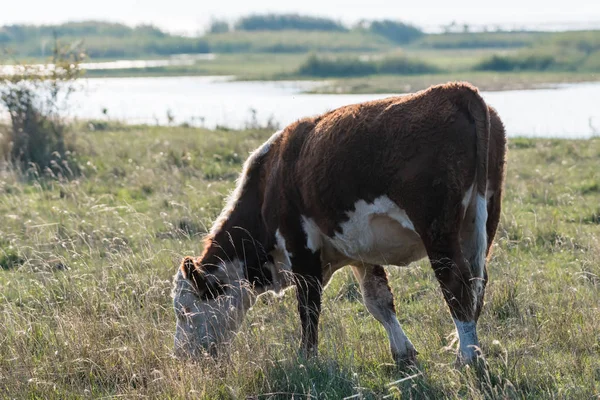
{"points": [[474, 245], [455, 277], [379, 300]]}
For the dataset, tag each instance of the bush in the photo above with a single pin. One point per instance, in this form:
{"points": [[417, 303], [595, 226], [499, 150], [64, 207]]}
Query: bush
{"points": [[397, 32], [34, 97], [349, 67], [401, 65], [479, 40], [532, 62], [274, 22], [218, 26], [338, 67]]}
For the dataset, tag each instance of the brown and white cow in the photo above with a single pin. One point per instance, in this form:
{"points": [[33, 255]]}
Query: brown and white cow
{"points": [[386, 182]]}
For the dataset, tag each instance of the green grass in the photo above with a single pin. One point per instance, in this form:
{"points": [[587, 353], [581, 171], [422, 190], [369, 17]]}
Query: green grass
{"points": [[324, 67], [86, 310], [481, 40], [100, 39], [457, 65], [484, 80], [243, 66], [291, 41]]}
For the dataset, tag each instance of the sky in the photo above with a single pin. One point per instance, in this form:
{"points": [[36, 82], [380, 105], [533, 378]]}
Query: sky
{"points": [[192, 16]]}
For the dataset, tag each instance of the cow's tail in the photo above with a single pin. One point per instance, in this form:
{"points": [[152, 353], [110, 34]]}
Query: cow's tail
{"points": [[468, 99], [475, 248]]}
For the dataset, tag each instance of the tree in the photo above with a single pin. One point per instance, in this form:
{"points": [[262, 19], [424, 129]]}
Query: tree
{"points": [[395, 31], [218, 26]]}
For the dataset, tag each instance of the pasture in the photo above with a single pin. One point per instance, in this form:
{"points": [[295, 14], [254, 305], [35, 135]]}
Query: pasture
{"points": [[86, 266]]}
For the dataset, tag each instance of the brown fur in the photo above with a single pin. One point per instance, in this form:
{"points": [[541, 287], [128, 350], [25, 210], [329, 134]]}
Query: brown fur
{"points": [[423, 151]]}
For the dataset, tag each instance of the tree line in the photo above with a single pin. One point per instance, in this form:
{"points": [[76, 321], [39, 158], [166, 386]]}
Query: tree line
{"points": [[110, 40]]}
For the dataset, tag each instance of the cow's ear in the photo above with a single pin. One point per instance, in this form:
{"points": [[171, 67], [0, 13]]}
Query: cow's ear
{"points": [[191, 270], [207, 284], [187, 267]]}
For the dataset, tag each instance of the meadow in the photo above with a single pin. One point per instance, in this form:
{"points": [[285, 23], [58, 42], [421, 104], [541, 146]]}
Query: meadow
{"points": [[87, 263], [440, 66], [368, 57]]}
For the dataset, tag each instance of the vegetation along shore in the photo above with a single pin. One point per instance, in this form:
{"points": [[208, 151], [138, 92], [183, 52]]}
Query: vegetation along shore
{"points": [[376, 56]]}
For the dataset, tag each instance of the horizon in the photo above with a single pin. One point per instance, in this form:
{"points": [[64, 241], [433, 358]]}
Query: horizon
{"points": [[189, 18]]}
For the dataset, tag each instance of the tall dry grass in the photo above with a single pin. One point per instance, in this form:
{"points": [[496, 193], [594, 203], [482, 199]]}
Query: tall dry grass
{"points": [[85, 310]]}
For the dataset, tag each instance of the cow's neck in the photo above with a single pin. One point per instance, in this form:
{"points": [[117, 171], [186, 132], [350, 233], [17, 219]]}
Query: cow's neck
{"points": [[239, 239]]}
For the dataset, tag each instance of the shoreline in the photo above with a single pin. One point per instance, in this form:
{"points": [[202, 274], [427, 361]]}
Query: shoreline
{"points": [[378, 84]]}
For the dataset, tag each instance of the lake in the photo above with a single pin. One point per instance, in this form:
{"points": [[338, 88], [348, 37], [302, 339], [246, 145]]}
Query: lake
{"points": [[568, 111]]}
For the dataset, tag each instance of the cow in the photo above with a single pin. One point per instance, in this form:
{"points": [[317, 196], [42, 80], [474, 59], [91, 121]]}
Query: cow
{"points": [[386, 182]]}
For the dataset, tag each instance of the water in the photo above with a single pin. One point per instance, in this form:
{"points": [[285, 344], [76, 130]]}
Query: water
{"points": [[174, 60], [567, 111]]}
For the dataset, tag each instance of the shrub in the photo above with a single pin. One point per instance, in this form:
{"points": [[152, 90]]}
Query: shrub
{"points": [[532, 62], [401, 65], [479, 40], [349, 67], [274, 22], [34, 97], [340, 67], [218, 26], [397, 32]]}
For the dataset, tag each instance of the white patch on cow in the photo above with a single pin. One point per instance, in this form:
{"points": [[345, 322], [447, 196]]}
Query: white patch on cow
{"points": [[467, 336], [202, 323], [378, 233], [235, 195], [280, 240], [314, 236], [474, 244], [281, 269], [480, 248], [467, 199]]}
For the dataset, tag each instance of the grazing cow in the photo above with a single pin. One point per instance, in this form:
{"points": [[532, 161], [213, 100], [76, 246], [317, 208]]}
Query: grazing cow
{"points": [[384, 182]]}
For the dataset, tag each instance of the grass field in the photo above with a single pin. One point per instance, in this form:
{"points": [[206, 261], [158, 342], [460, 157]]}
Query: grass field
{"points": [[451, 64], [86, 269], [488, 81], [243, 66]]}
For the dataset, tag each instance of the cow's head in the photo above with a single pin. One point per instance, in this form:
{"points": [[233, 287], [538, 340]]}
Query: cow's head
{"points": [[210, 303]]}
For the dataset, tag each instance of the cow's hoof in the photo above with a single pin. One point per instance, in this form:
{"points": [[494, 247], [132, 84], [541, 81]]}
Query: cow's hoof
{"points": [[472, 359], [407, 359], [307, 353]]}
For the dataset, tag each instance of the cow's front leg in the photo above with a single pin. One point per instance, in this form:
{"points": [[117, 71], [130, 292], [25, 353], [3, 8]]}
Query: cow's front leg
{"points": [[308, 276], [308, 290], [305, 256]]}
